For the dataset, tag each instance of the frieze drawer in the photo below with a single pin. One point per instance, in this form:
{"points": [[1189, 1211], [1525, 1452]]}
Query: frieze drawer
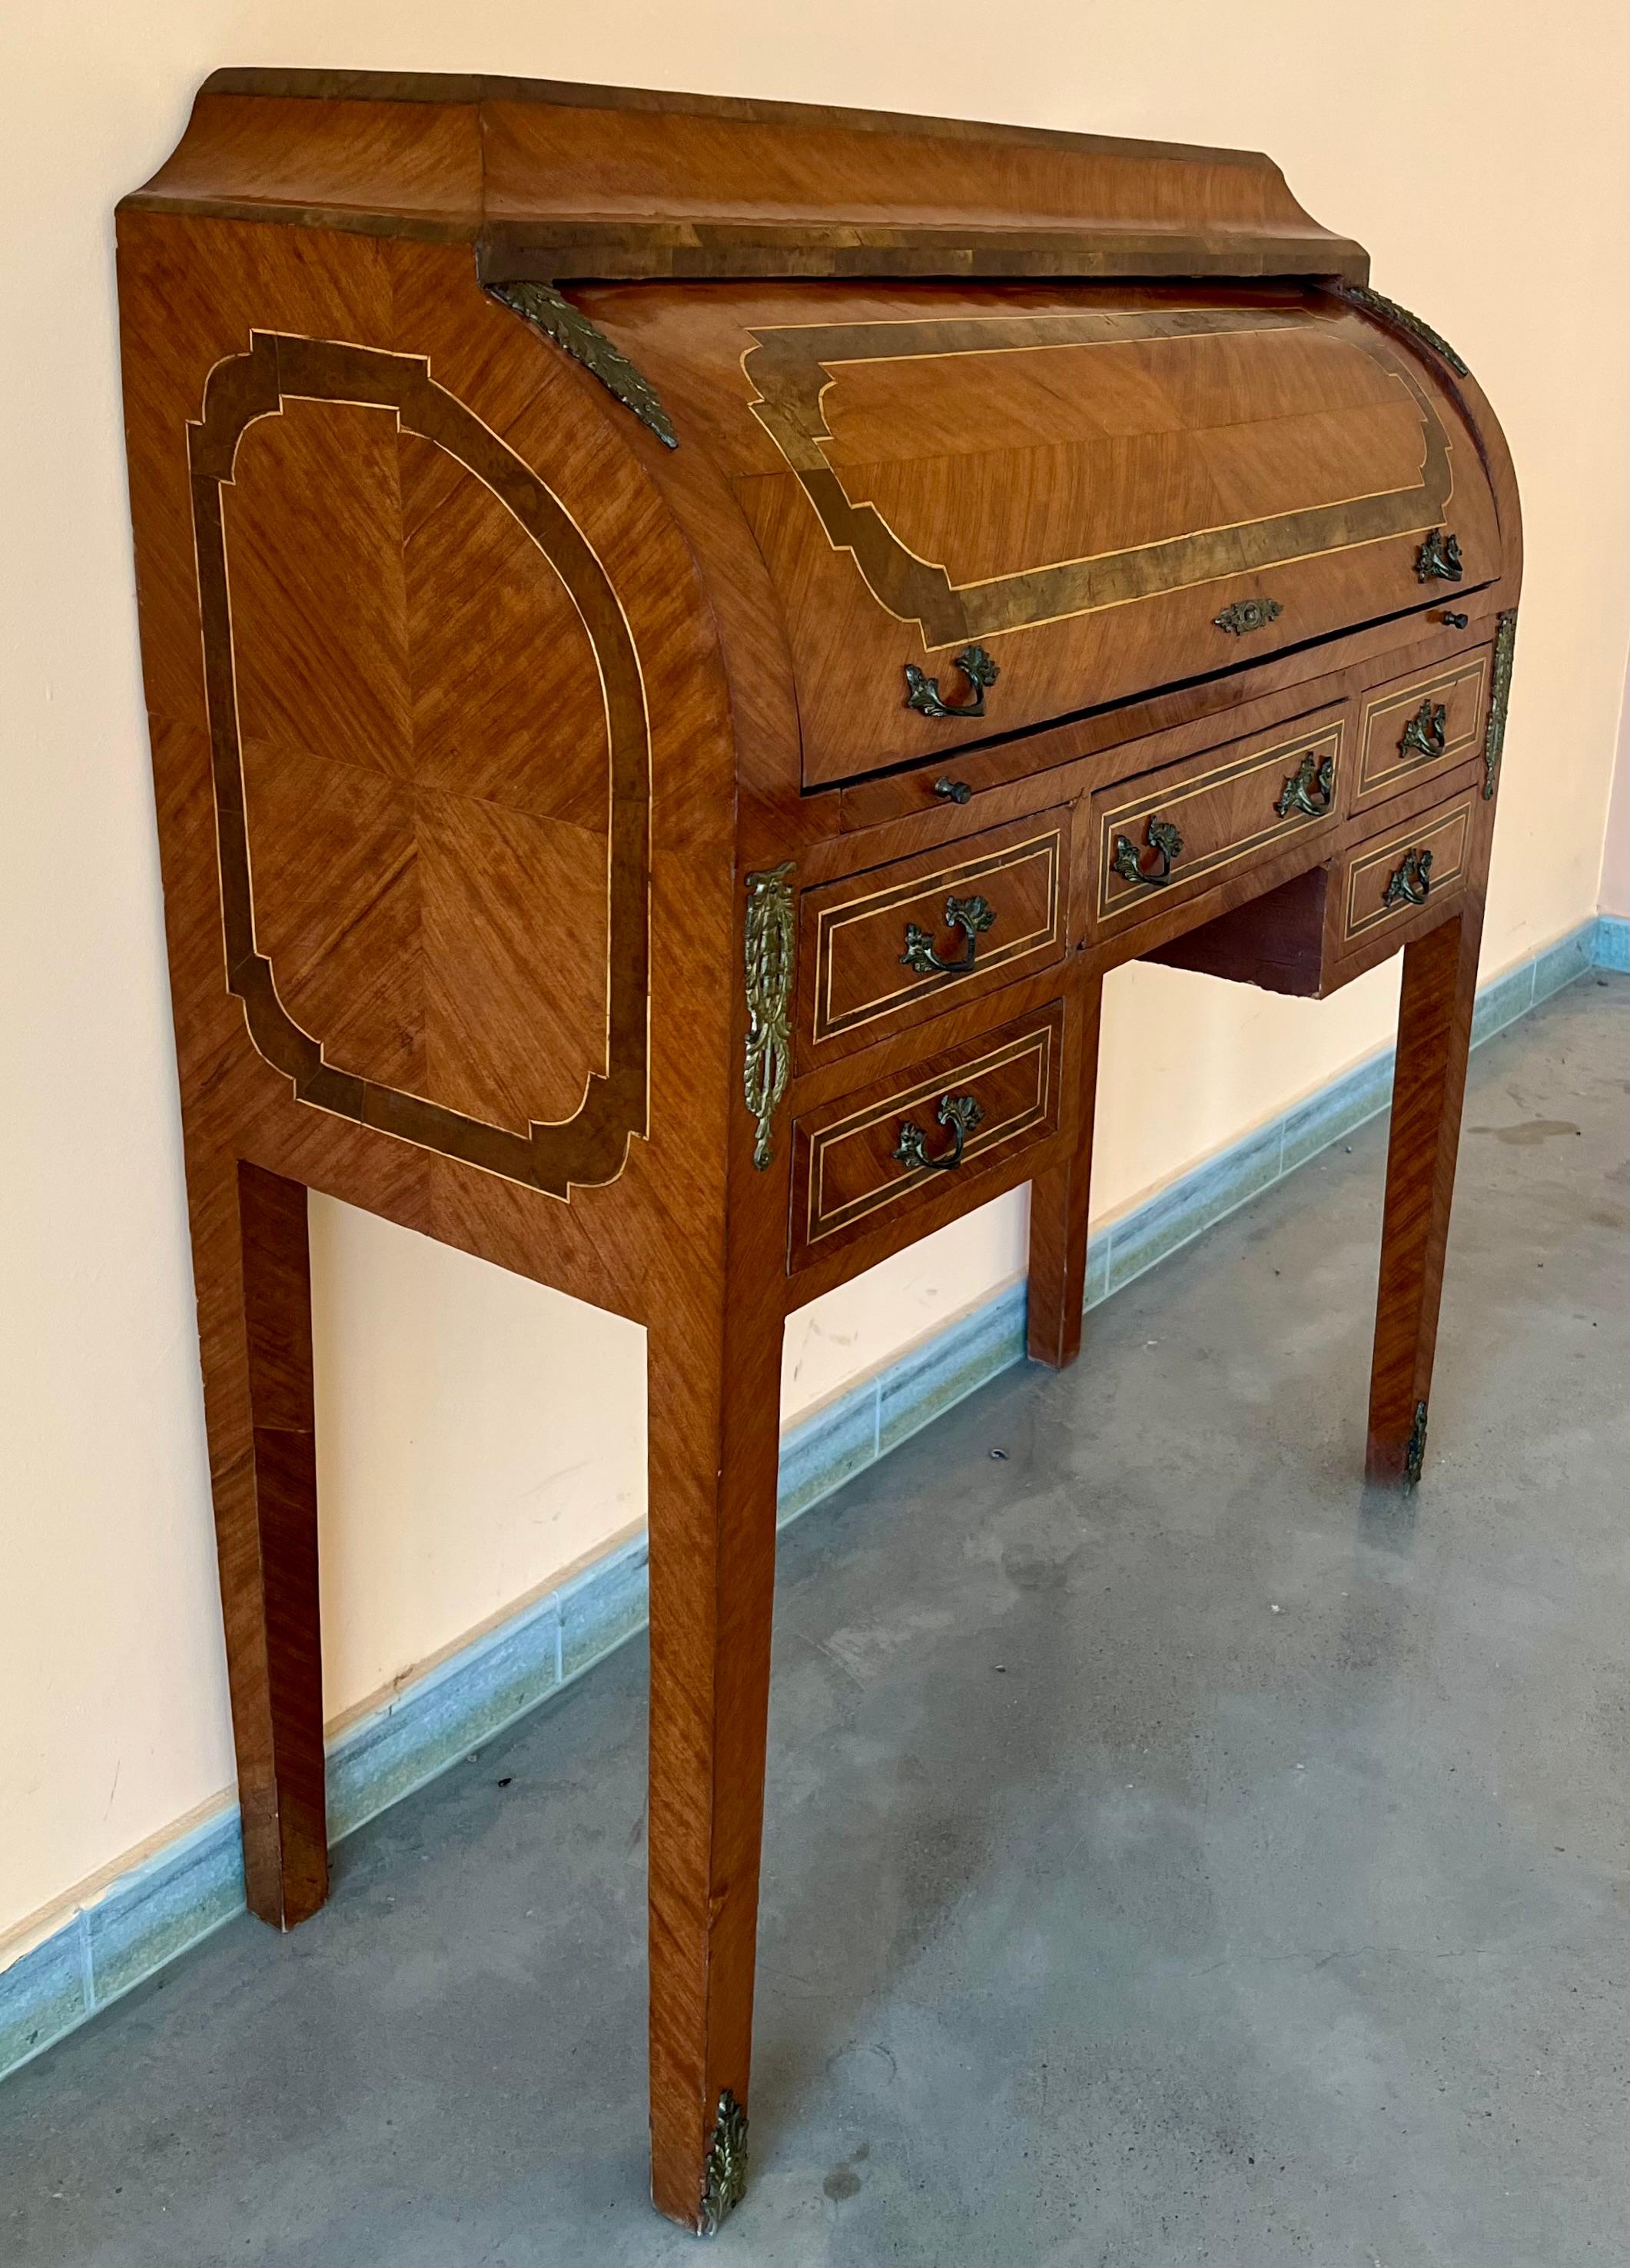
{"points": [[1420, 727], [1174, 833], [881, 949], [905, 1141], [1380, 884]]}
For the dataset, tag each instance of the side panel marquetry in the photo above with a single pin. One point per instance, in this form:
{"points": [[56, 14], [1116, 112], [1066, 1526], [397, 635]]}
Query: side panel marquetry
{"points": [[870, 1157], [887, 947], [431, 764]]}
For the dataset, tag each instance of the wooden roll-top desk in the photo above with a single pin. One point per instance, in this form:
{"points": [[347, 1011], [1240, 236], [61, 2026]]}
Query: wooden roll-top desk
{"points": [[682, 638]]}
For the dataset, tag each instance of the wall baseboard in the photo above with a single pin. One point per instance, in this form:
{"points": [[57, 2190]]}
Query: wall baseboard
{"points": [[190, 1885]]}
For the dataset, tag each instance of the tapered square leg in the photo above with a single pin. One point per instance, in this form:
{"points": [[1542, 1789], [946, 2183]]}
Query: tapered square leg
{"points": [[715, 1373], [1428, 1088], [1059, 1199], [253, 1272]]}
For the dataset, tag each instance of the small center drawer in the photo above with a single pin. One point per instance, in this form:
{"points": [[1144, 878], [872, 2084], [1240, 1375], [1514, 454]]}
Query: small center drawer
{"points": [[878, 950], [908, 1140], [1420, 727], [1380, 884], [1177, 832]]}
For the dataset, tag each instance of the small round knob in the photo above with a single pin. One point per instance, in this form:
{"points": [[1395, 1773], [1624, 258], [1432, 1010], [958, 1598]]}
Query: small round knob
{"points": [[954, 790], [1455, 621]]}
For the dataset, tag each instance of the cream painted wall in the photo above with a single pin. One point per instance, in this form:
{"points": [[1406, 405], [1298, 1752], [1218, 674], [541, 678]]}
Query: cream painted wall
{"points": [[1615, 893], [478, 1434]]}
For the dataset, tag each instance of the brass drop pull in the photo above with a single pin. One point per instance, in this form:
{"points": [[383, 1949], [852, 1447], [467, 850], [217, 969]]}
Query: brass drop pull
{"points": [[1310, 788], [961, 1112], [954, 790], [1427, 733], [972, 916], [1409, 885], [922, 692], [1439, 556], [1163, 839]]}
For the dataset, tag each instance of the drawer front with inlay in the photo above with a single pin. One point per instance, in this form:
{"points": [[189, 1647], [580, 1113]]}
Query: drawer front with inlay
{"points": [[1380, 884], [1174, 833], [858, 1161], [1421, 725], [881, 949]]}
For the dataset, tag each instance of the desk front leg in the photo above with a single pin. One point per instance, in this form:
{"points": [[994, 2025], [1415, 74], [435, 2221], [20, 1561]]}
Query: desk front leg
{"points": [[253, 1277], [715, 1382], [1057, 1291], [1428, 1087]]}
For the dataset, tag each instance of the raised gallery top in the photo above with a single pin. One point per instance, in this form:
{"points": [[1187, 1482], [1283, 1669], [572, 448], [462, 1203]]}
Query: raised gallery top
{"points": [[559, 182]]}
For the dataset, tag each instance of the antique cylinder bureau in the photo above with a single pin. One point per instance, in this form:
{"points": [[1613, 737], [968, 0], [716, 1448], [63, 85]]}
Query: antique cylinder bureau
{"points": [[682, 638]]}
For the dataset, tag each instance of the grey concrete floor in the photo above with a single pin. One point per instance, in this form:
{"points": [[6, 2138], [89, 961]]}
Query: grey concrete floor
{"points": [[1174, 1856]]}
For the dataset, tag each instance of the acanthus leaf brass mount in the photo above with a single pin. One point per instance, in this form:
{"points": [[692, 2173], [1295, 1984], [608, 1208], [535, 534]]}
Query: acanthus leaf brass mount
{"points": [[1499, 700], [1415, 1448], [724, 2172], [768, 943], [1389, 311], [923, 692], [972, 916], [571, 331]]}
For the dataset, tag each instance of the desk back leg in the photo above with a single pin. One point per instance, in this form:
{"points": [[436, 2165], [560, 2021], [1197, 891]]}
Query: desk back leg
{"points": [[1428, 1087], [1058, 1278], [253, 1270]]}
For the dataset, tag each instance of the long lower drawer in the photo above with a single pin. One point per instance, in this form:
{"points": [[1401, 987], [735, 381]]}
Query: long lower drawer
{"points": [[865, 1159]]}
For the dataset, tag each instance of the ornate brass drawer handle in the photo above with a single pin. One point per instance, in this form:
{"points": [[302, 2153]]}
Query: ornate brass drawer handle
{"points": [[1167, 844], [972, 916], [1311, 788], [1246, 614], [1409, 885], [1426, 732], [1440, 556], [961, 1112], [922, 692]]}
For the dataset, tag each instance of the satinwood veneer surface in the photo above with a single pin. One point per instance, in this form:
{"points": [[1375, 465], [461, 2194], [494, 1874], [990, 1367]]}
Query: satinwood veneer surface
{"points": [[681, 639]]}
